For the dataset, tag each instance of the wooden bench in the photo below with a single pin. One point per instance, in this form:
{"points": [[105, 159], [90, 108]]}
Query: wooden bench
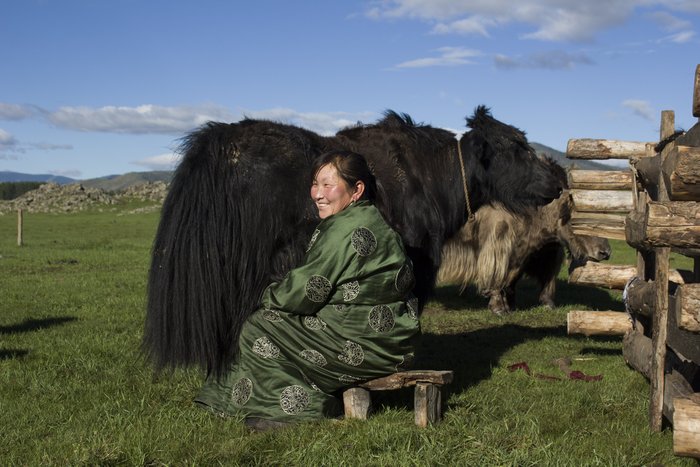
{"points": [[427, 398]]}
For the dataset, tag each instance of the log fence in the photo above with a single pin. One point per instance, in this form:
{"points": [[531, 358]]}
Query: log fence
{"points": [[655, 207]]}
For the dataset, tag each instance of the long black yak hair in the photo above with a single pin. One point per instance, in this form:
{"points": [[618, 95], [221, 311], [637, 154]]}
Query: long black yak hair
{"points": [[238, 215]]}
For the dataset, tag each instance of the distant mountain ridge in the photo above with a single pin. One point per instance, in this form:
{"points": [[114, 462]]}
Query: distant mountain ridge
{"points": [[562, 160], [107, 183], [7, 176], [121, 182]]}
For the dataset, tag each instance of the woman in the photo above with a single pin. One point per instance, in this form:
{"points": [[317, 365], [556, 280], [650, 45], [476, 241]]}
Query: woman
{"points": [[345, 315]]}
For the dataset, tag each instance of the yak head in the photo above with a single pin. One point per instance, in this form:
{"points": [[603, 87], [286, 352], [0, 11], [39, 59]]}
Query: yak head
{"points": [[582, 248], [500, 160]]}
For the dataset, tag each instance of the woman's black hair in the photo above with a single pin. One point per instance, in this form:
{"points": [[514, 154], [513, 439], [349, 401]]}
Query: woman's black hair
{"points": [[351, 167]]}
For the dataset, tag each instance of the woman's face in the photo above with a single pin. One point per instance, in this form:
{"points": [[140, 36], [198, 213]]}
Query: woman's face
{"points": [[330, 192]]}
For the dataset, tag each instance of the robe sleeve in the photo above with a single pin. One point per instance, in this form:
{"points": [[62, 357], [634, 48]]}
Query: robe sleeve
{"points": [[307, 288]]}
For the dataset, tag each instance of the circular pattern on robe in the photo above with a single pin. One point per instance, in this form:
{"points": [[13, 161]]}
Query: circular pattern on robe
{"points": [[272, 315], [381, 318], [350, 290], [294, 399], [314, 323], [241, 391], [348, 379], [363, 241], [404, 279], [412, 308], [313, 356], [339, 307], [318, 288], [352, 354], [264, 347], [314, 236]]}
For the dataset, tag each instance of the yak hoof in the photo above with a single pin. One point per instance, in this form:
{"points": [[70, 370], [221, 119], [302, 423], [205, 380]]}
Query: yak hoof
{"points": [[500, 311]]}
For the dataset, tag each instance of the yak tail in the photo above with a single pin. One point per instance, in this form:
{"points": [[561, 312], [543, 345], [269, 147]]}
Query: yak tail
{"points": [[212, 254]]}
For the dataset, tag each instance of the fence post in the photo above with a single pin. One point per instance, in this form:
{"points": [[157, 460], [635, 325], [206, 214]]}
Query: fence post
{"points": [[20, 224]]}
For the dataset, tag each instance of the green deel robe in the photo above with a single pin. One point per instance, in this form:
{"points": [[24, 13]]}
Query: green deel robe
{"points": [[345, 315]]}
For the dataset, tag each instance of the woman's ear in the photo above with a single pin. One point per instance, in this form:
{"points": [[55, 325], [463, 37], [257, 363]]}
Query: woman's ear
{"points": [[359, 190]]}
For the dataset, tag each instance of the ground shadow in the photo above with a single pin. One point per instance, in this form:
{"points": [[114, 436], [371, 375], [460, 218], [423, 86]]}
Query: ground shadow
{"points": [[471, 355], [30, 325], [527, 296], [7, 354]]}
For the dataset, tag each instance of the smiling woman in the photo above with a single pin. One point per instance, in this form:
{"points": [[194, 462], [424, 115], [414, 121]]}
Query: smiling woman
{"points": [[345, 315], [338, 181]]}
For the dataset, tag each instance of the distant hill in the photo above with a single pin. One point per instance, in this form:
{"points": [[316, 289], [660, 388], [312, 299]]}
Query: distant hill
{"points": [[6, 176], [108, 183], [560, 157], [122, 182]]}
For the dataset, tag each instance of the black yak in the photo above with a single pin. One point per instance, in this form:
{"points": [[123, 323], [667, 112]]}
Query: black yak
{"points": [[499, 247], [238, 214]]}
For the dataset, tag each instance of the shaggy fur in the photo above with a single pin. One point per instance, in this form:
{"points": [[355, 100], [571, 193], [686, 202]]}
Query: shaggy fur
{"points": [[499, 247], [238, 215]]}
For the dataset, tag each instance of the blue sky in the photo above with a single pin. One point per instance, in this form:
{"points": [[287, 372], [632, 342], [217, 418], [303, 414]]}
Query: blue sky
{"points": [[91, 87]]}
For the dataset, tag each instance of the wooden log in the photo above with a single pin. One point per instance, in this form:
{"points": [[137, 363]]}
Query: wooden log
{"points": [[687, 307], [357, 403], [427, 404], [637, 351], [587, 148], [686, 426], [606, 201], [696, 93], [600, 179], [660, 319], [615, 276], [641, 297], [664, 224], [681, 172], [598, 224], [683, 342], [611, 276], [648, 171], [675, 386], [598, 323]]}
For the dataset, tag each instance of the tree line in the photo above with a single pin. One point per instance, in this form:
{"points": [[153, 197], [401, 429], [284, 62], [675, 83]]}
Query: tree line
{"points": [[12, 190]]}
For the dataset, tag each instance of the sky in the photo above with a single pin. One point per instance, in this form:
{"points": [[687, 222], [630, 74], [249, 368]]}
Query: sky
{"points": [[90, 88]]}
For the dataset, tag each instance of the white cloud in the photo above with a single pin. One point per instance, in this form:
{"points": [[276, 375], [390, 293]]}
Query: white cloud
{"points": [[679, 38], [324, 123], [166, 161], [669, 22], [8, 144], [640, 108], [551, 20], [137, 120], [472, 25], [51, 146], [552, 60], [447, 56], [15, 111]]}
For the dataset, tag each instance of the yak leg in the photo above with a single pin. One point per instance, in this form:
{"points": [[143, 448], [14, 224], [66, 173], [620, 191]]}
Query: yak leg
{"points": [[498, 303], [547, 293]]}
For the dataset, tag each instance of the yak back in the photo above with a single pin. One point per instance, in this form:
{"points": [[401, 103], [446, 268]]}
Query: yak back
{"points": [[418, 184]]}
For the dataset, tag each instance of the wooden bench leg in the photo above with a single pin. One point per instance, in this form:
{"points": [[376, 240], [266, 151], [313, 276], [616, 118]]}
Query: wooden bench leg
{"points": [[427, 404], [357, 403]]}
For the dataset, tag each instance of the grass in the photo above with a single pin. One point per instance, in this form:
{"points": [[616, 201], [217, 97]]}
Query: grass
{"points": [[74, 390]]}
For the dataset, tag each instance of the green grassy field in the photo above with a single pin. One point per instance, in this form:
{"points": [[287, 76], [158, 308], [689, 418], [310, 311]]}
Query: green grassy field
{"points": [[74, 390]]}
